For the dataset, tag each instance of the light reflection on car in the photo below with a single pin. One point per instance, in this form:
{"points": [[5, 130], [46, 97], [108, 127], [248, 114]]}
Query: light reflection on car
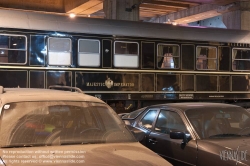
{"points": [[194, 133]]}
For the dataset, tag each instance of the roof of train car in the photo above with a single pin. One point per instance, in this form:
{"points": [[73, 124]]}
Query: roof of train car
{"points": [[38, 21]]}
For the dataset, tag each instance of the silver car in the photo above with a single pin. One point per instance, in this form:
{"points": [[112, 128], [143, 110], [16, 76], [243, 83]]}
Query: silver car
{"points": [[58, 127]]}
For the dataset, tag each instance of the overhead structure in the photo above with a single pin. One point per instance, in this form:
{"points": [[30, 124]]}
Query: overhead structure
{"points": [[101, 8], [233, 13], [122, 9]]}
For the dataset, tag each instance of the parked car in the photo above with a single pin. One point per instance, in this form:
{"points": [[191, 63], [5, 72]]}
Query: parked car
{"points": [[194, 133], [58, 127]]}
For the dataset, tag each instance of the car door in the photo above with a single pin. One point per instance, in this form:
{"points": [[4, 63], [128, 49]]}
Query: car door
{"points": [[172, 149]]}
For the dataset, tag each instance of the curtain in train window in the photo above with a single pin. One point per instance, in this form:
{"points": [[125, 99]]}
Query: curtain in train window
{"points": [[206, 58], [89, 52], [241, 59], [168, 56], [13, 49], [59, 51], [126, 54]]}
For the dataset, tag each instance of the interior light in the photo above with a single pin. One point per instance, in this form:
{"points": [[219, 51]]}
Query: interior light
{"points": [[72, 15], [14, 44]]}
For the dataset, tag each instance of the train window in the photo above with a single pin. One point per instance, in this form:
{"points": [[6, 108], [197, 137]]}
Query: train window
{"points": [[59, 51], [168, 56], [126, 54], [187, 57], [206, 58], [13, 49], [241, 59], [89, 52]]}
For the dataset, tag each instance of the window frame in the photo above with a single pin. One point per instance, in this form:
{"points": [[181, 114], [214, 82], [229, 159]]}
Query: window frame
{"points": [[179, 57], [70, 51], [144, 114], [238, 48], [216, 58], [138, 54], [26, 49], [78, 52], [170, 110]]}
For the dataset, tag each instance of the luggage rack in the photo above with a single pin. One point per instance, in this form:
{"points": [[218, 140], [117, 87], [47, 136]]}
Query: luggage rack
{"points": [[59, 87]]}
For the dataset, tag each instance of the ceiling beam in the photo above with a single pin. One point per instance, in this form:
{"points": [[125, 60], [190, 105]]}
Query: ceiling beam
{"points": [[55, 6], [168, 4], [157, 7], [82, 6], [182, 2]]}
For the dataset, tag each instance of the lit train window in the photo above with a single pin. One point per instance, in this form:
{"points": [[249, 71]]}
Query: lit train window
{"points": [[59, 51], [168, 56], [206, 58], [241, 59], [89, 52], [13, 49], [126, 54]]}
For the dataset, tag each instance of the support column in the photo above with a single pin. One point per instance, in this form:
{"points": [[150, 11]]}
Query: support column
{"points": [[239, 19], [122, 9]]}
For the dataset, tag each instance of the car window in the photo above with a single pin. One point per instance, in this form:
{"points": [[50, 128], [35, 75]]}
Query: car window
{"points": [[217, 122], [169, 120], [133, 114], [60, 122], [148, 119]]}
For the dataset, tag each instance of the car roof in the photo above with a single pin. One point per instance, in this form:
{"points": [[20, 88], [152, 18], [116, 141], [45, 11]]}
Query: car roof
{"points": [[9, 95], [192, 105]]}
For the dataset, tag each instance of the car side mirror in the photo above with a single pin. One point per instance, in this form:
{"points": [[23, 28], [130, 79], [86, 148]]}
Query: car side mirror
{"points": [[180, 135]]}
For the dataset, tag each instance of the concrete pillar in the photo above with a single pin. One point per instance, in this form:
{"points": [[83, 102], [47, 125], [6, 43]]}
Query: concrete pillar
{"points": [[239, 19], [122, 9]]}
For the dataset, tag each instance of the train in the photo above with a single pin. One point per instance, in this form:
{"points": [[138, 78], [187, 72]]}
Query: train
{"points": [[125, 63]]}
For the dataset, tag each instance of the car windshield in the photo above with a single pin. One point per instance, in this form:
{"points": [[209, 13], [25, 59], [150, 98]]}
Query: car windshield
{"points": [[133, 114], [218, 122], [60, 123]]}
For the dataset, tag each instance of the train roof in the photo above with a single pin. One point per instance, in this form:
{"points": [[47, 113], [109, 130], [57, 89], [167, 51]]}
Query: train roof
{"points": [[51, 22]]}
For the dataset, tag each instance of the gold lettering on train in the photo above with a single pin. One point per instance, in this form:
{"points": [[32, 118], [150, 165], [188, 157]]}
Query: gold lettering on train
{"points": [[115, 84]]}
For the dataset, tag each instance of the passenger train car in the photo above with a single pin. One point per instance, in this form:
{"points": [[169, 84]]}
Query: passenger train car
{"points": [[137, 63]]}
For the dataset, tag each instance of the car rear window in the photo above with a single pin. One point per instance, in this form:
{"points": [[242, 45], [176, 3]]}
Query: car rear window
{"points": [[60, 123]]}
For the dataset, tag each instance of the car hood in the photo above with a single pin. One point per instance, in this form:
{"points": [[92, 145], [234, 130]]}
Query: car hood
{"points": [[242, 143], [235, 150], [92, 155]]}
